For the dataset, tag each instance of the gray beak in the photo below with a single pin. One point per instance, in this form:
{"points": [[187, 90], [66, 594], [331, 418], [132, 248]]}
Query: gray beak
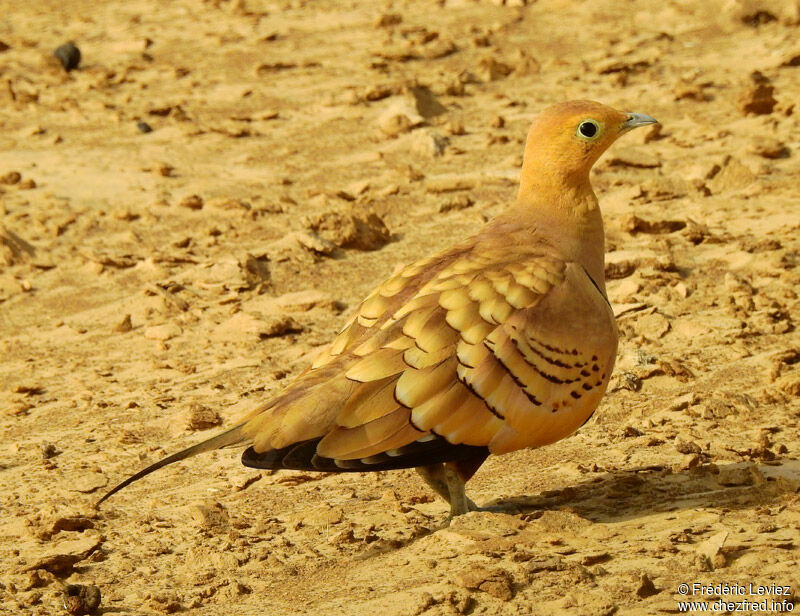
{"points": [[635, 120]]}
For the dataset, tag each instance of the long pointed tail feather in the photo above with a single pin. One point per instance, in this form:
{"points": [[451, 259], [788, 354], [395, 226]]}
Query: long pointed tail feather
{"points": [[230, 437]]}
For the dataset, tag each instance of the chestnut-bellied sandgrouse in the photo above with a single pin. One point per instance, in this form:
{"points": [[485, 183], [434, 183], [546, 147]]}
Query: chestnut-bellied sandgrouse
{"points": [[504, 341]]}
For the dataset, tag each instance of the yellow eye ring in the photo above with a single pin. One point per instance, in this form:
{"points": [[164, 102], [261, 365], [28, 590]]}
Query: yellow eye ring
{"points": [[589, 130]]}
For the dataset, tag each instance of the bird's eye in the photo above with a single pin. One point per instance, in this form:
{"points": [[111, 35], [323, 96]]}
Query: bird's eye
{"points": [[588, 129]]}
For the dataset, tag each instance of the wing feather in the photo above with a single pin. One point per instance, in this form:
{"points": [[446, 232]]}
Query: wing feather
{"points": [[486, 346]]}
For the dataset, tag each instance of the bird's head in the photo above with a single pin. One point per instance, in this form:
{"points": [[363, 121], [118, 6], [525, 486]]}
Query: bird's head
{"points": [[567, 139]]}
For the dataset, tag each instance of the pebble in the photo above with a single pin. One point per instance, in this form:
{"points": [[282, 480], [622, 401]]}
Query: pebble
{"points": [[449, 183], [620, 268], [163, 332], [123, 326], [387, 20], [758, 98], [424, 101], [455, 202], [768, 147], [710, 551], [646, 587], [652, 326], [80, 599], [201, 417], [496, 582], [733, 176], [62, 558], [490, 69], [243, 326], [633, 225], [192, 202], [633, 157], [12, 177], [69, 55], [428, 142], [350, 227], [144, 127], [313, 243], [399, 118]]}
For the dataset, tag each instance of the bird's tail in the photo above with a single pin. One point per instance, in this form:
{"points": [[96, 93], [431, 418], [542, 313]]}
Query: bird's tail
{"points": [[229, 437]]}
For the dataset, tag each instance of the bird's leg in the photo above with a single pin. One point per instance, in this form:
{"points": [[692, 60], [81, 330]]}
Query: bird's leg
{"points": [[434, 477], [459, 503], [446, 481]]}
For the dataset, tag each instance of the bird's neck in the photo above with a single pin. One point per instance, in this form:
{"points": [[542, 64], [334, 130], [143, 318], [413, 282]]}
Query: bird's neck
{"points": [[563, 213]]}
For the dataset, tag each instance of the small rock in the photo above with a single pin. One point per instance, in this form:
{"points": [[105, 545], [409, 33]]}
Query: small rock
{"points": [[144, 127], [525, 64], [227, 203], [758, 98], [12, 177], [303, 301], [123, 326], [49, 450], [490, 69], [449, 183], [633, 224], [209, 515], [683, 402], [652, 326], [424, 101], [687, 447], [80, 599], [193, 202], [768, 147], [28, 184], [162, 332], [63, 557], [86, 482], [596, 557], [710, 550], [314, 243], [646, 587], [633, 157], [69, 55], [455, 202], [161, 168], [349, 227], [243, 326], [386, 20], [66, 523], [429, 143], [30, 389], [201, 417], [255, 271], [455, 128], [496, 582], [399, 117], [733, 176], [622, 268], [740, 476]]}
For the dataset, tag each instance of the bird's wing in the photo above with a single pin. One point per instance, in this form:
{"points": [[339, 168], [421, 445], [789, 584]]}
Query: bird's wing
{"points": [[496, 350]]}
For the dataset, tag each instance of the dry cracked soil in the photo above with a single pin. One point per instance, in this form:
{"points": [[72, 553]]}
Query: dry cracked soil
{"points": [[191, 214]]}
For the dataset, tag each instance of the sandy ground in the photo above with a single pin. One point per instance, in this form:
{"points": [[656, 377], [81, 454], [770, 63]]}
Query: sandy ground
{"points": [[152, 285]]}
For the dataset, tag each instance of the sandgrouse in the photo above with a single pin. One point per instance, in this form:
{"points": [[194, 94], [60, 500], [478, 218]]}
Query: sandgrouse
{"points": [[504, 341]]}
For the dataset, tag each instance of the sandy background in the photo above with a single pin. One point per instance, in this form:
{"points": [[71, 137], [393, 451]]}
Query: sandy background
{"points": [[152, 285]]}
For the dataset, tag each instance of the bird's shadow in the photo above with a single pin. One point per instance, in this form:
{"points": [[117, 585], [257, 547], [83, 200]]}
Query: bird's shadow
{"points": [[617, 496], [621, 495]]}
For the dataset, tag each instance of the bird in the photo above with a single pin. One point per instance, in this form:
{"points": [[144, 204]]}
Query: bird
{"points": [[504, 341]]}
